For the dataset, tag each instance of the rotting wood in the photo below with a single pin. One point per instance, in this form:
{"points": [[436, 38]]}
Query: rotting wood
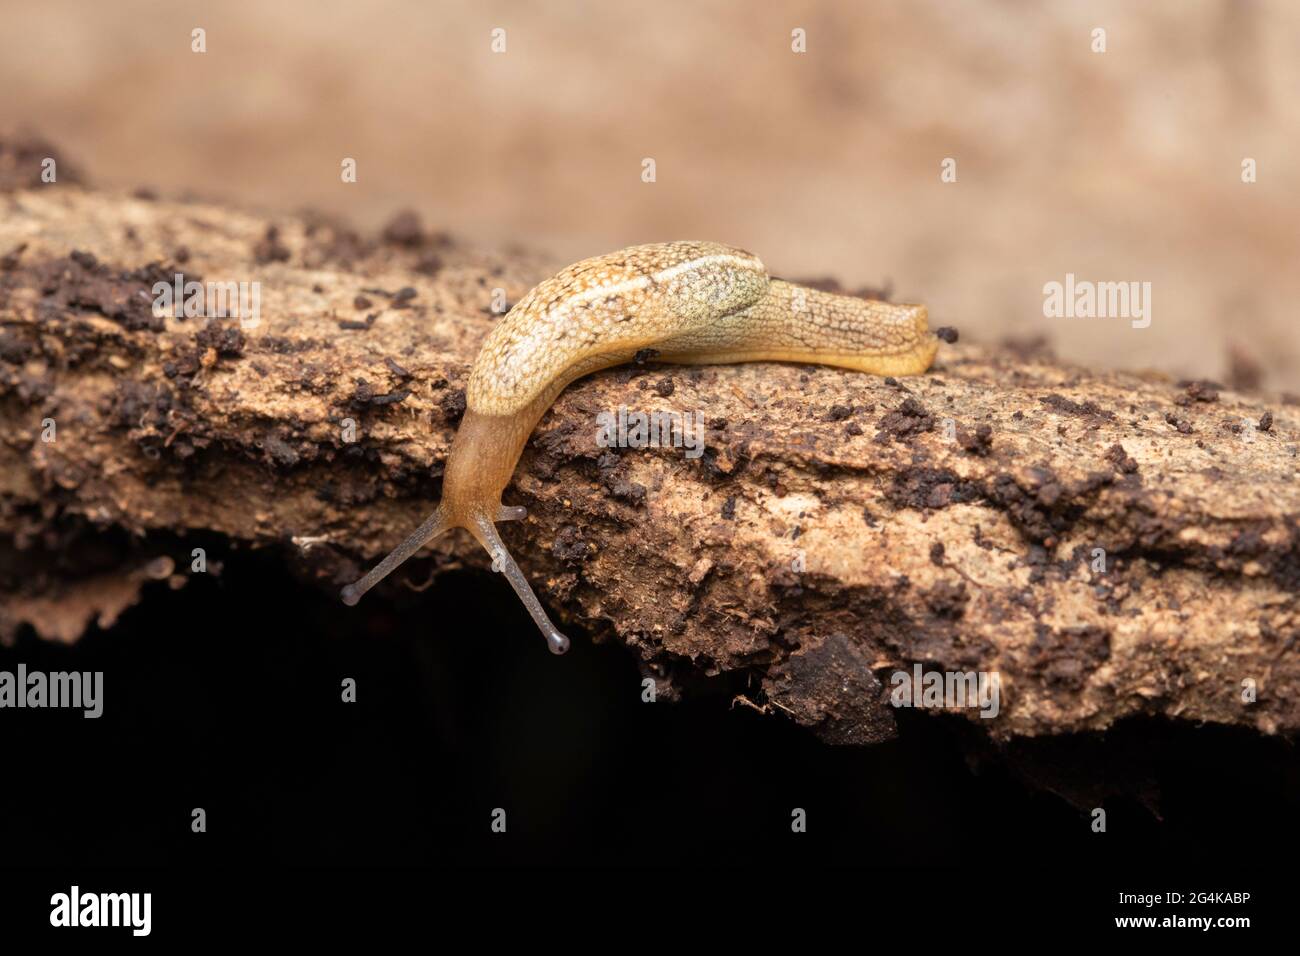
{"points": [[838, 527]]}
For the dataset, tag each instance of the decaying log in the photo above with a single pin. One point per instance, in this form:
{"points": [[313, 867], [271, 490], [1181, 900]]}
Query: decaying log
{"points": [[1109, 544]]}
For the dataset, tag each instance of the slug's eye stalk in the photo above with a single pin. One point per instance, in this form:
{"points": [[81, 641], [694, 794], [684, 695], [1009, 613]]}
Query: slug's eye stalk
{"points": [[486, 532], [433, 526]]}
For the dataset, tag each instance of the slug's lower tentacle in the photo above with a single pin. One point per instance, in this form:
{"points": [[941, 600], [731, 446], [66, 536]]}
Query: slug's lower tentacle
{"points": [[486, 532]]}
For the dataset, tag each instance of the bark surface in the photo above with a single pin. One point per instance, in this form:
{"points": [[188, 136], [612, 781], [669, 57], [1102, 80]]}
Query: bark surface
{"points": [[1109, 544]]}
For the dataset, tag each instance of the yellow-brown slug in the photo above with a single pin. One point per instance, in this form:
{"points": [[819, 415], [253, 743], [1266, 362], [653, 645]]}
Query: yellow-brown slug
{"points": [[693, 303]]}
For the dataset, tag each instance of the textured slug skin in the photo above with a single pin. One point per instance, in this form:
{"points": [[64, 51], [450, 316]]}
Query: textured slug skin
{"points": [[693, 303]]}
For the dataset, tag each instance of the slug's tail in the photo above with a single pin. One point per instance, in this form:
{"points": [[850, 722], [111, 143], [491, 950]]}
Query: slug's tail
{"points": [[485, 531]]}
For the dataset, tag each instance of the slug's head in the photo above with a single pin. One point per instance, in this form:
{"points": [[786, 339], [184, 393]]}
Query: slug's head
{"points": [[481, 460], [480, 524]]}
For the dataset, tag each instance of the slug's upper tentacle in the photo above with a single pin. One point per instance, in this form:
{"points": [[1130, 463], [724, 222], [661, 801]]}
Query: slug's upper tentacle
{"points": [[486, 533], [692, 302], [433, 526]]}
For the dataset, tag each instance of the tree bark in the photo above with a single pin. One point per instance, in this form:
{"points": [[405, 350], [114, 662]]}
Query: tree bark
{"points": [[1108, 544]]}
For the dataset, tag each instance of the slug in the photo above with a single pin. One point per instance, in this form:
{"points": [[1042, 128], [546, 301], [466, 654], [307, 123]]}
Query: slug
{"points": [[692, 303]]}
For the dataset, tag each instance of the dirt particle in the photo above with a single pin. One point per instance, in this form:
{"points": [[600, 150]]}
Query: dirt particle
{"points": [[21, 159], [922, 489], [269, 248], [613, 476], [569, 545], [947, 600], [15, 350], [9, 261], [404, 229], [1065, 658], [453, 405], [391, 398], [1043, 506], [827, 685], [1198, 391], [1088, 409], [907, 421], [978, 443], [279, 452], [1118, 457], [430, 264], [226, 340], [362, 392]]}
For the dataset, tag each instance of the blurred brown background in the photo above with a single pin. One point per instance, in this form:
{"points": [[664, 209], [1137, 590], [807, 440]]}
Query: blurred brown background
{"points": [[1117, 166]]}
